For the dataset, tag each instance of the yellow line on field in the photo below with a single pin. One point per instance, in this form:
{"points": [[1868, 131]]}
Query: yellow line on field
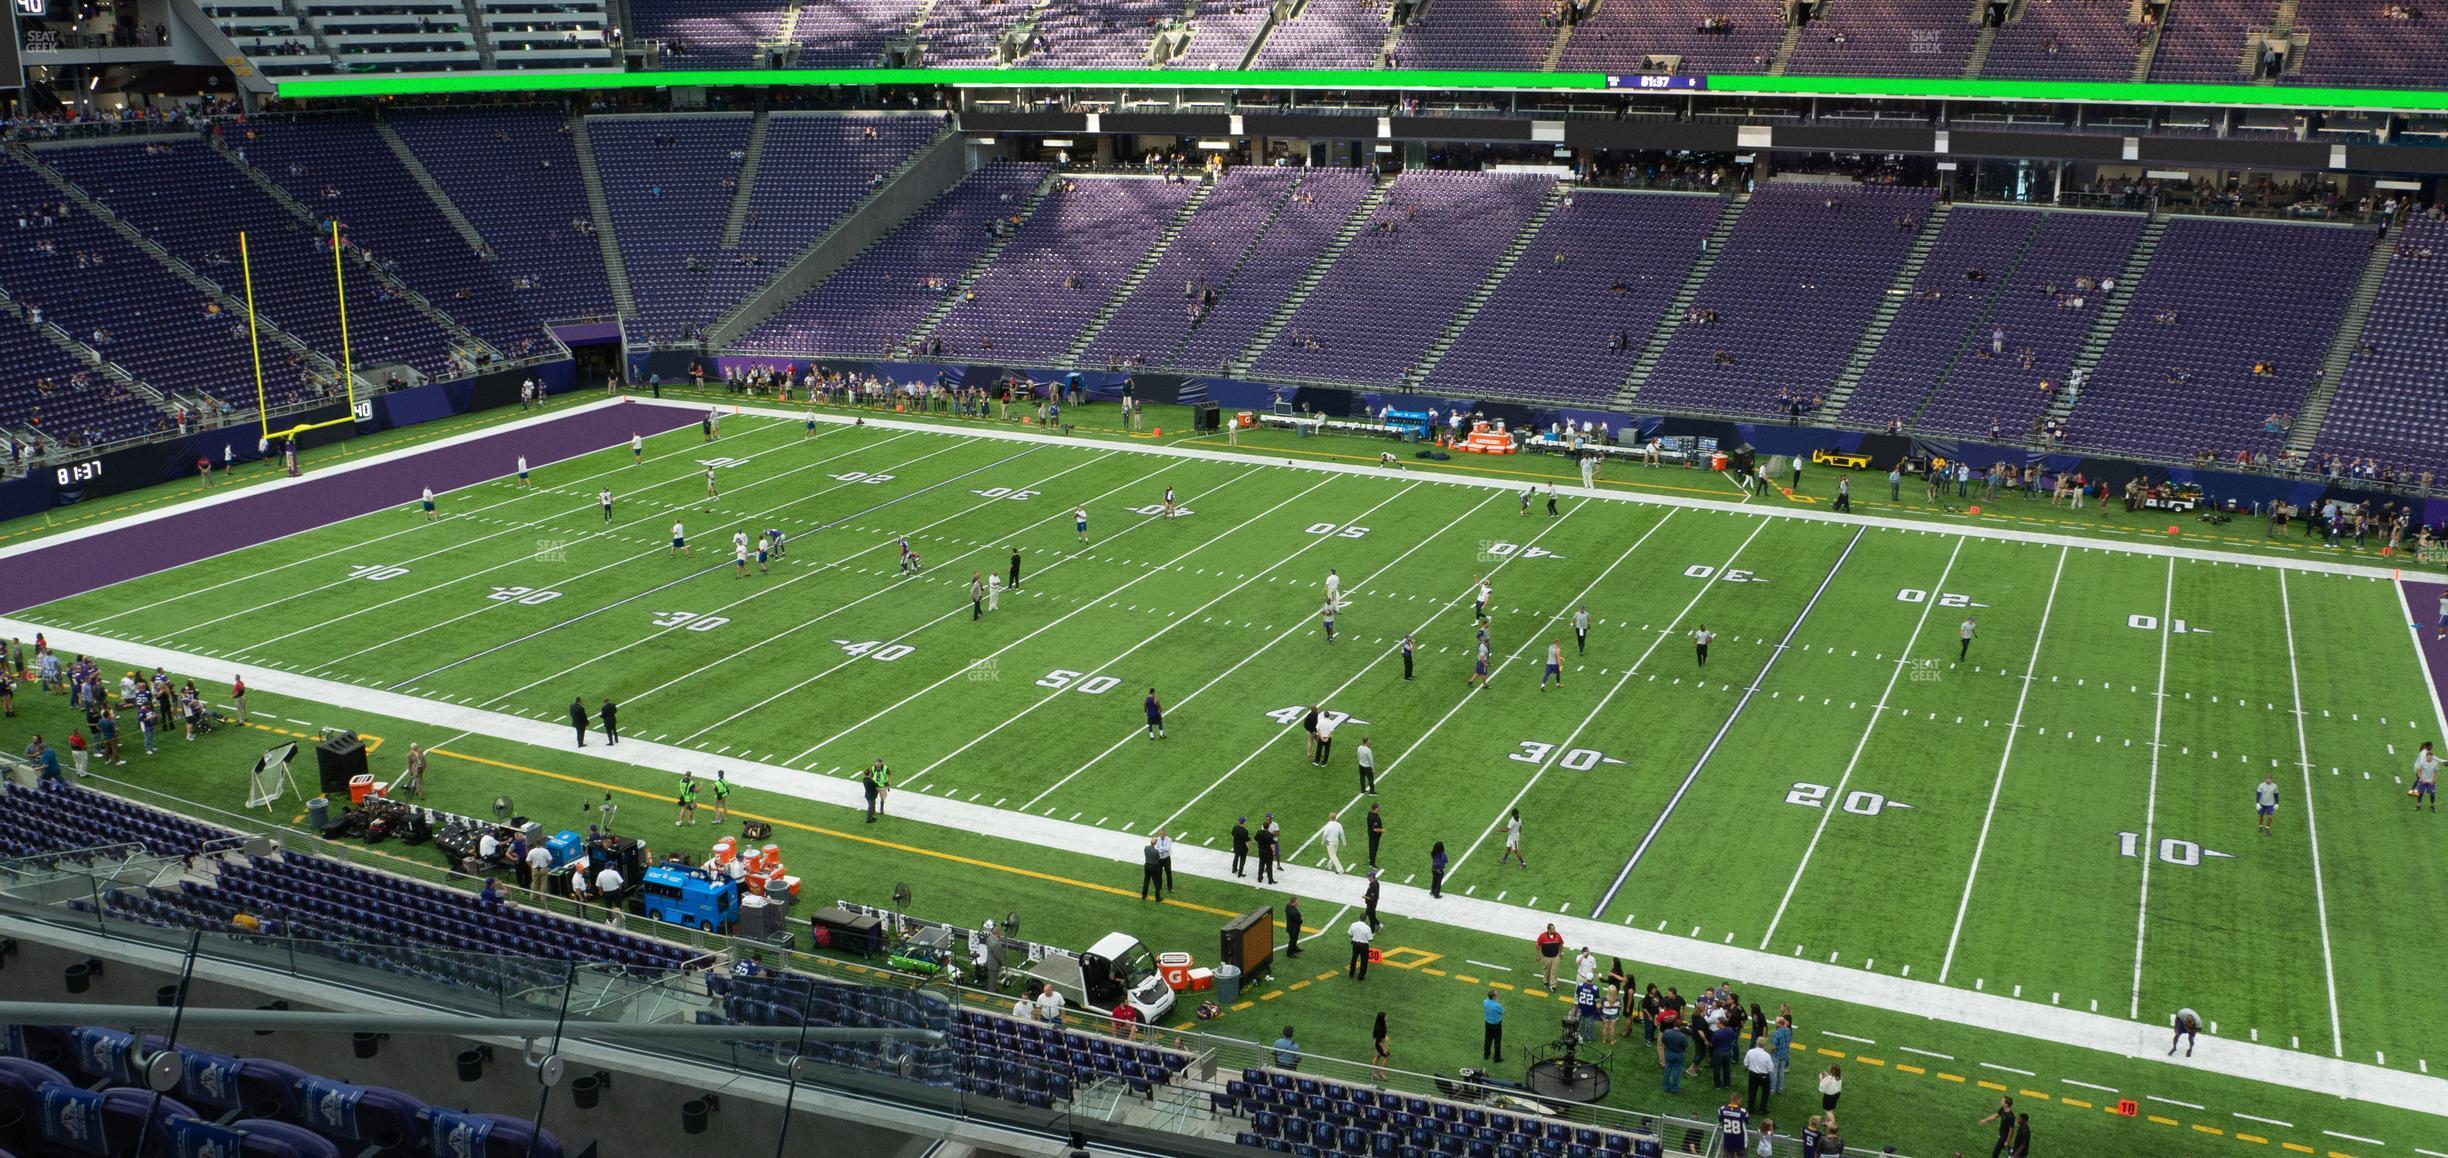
{"points": [[1871, 1061], [2297, 1148], [2159, 1121], [1947, 1077], [2076, 1103], [2031, 1094], [2255, 1139], [1910, 1069], [2209, 1129], [1826, 1052], [1992, 1086]]}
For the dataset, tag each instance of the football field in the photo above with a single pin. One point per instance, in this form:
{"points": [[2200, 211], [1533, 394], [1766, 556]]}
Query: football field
{"points": [[2060, 811]]}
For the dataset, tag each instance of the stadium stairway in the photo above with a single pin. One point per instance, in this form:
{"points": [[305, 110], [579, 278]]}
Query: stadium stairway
{"points": [[1785, 50], [910, 187], [1173, 355], [464, 337], [1361, 215], [482, 33], [2095, 344], [1899, 291], [433, 190], [986, 257], [750, 160], [1664, 331], [1418, 374], [2143, 59], [1139, 272], [2342, 346], [615, 272], [184, 272], [1979, 59], [1972, 333], [1555, 51]]}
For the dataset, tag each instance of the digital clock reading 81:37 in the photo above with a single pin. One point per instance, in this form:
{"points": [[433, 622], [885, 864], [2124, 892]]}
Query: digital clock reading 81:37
{"points": [[82, 472]]}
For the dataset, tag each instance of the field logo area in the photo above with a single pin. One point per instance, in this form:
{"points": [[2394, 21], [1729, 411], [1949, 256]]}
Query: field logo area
{"points": [[552, 551], [1925, 671], [1492, 550], [982, 671]]}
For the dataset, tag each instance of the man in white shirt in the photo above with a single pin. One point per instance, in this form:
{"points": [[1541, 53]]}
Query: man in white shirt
{"points": [[1025, 1009], [488, 847], [1761, 1066], [1361, 935], [539, 866], [2426, 777], [1585, 967], [1050, 1006], [1331, 835], [1325, 734], [608, 886], [1334, 588]]}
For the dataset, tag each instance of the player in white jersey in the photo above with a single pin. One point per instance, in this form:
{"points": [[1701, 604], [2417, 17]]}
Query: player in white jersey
{"points": [[679, 544], [1168, 503], [1700, 641], [811, 423], [603, 498], [637, 449], [739, 542], [429, 506], [2426, 777], [711, 493], [764, 552], [1555, 665], [1334, 588], [523, 480], [1079, 522], [739, 555]]}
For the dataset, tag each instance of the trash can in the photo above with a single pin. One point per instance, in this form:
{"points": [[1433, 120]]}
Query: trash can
{"points": [[318, 813], [1227, 985]]}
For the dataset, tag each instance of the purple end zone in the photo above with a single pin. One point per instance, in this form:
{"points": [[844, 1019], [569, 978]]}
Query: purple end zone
{"points": [[2423, 611], [70, 568]]}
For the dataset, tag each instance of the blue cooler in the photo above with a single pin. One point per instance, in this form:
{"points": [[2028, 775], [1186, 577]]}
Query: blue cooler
{"points": [[565, 846]]}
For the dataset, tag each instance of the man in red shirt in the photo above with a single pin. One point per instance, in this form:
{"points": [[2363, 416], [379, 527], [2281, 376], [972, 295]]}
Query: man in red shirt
{"points": [[1551, 951], [238, 698], [76, 751], [1126, 1021]]}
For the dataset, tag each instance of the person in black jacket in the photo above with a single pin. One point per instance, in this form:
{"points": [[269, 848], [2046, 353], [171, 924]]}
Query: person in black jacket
{"points": [[1292, 926], [611, 721], [578, 720], [1266, 854], [1240, 845], [1368, 899]]}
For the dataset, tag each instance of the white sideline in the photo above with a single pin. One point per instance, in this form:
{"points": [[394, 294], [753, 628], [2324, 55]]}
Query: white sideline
{"points": [[2131, 1038]]}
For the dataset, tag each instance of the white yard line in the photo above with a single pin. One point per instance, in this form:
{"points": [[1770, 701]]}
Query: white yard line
{"points": [[254, 577], [1529, 639], [2297, 1069], [2303, 761], [1667, 812], [1878, 712], [1315, 541], [1670, 631], [489, 605], [1066, 617], [1302, 626], [2014, 727], [820, 569], [2150, 813]]}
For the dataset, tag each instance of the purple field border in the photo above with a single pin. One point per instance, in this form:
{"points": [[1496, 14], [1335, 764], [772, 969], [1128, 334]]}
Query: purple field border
{"points": [[76, 566], [2422, 610]]}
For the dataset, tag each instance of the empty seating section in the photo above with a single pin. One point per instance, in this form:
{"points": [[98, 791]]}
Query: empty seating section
{"points": [[1220, 34], [1940, 323], [966, 33], [1274, 265], [1803, 270], [1327, 34], [226, 1105], [1886, 38], [669, 181], [1403, 275], [873, 303], [194, 203], [1624, 34], [1105, 34], [1571, 330], [514, 175], [2203, 40], [1488, 34], [49, 390], [1067, 260], [1282, 1111], [160, 328], [1235, 215], [342, 168], [275, 41], [547, 33], [57, 817], [707, 33], [2066, 40], [815, 169], [393, 35], [2219, 298], [848, 33], [2393, 399], [2352, 44], [2037, 312]]}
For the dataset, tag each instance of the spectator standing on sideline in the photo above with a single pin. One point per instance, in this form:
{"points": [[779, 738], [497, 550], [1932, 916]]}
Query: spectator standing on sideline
{"points": [[1292, 927], [2004, 1116], [1240, 846], [1491, 1041], [1734, 1125], [413, 782], [1761, 1066], [1384, 1050], [1164, 857], [1287, 1052], [1267, 847], [1368, 900], [1376, 825], [1895, 483], [1673, 1046], [1361, 935], [1844, 502], [1513, 846], [2022, 1137], [578, 720], [1436, 869], [868, 789], [610, 715], [1780, 1047], [238, 697], [1722, 1039], [2188, 1031], [76, 751], [1325, 737], [1151, 873], [1331, 836], [1368, 785], [1831, 1088], [1550, 954]]}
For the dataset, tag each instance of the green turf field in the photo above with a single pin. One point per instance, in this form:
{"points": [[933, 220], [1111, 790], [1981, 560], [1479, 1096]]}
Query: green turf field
{"points": [[2062, 815]]}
